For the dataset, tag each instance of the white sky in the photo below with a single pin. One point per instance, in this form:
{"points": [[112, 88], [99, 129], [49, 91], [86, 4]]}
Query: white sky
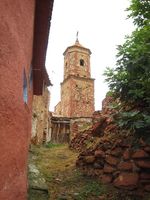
{"points": [[102, 25]]}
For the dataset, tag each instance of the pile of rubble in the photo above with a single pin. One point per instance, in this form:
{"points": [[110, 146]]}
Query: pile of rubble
{"points": [[115, 157], [119, 163], [101, 123]]}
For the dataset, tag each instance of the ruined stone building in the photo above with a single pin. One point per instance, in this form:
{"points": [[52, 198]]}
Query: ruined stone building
{"points": [[40, 114], [24, 31], [77, 88]]}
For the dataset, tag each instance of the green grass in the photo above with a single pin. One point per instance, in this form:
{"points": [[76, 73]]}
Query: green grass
{"points": [[37, 195], [92, 188], [53, 145]]}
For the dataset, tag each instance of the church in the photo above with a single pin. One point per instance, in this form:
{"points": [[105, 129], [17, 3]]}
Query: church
{"points": [[77, 88]]}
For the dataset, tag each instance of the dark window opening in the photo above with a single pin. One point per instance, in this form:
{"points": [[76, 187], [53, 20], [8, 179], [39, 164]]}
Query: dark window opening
{"points": [[81, 62], [25, 88]]}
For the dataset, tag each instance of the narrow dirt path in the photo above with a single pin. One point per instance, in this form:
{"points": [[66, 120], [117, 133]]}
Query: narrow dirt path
{"points": [[56, 163]]}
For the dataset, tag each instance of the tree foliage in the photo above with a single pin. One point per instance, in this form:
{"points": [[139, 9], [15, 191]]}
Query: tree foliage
{"points": [[140, 12], [130, 80]]}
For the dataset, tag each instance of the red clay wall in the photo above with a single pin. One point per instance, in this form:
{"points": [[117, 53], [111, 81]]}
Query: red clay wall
{"points": [[16, 36]]}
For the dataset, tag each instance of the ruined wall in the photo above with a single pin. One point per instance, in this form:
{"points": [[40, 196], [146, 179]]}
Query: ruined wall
{"points": [[79, 125], [16, 38], [57, 109], [40, 130], [77, 97]]}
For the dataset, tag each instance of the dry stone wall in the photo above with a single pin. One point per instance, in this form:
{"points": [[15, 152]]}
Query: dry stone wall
{"points": [[116, 157], [119, 163]]}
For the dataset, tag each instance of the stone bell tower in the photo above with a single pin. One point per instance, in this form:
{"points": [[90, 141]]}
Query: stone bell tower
{"points": [[77, 88]]}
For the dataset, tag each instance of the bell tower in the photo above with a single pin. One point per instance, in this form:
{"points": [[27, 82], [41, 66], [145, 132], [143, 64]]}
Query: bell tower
{"points": [[77, 88], [77, 61]]}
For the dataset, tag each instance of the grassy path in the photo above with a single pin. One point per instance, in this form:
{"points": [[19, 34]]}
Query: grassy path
{"points": [[65, 182]]}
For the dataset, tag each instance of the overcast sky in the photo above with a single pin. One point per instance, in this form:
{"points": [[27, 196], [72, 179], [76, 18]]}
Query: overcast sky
{"points": [[102, 25]]}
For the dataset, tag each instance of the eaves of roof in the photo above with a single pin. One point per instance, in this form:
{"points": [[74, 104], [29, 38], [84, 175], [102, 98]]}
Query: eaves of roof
{"points": [[43, 14]]}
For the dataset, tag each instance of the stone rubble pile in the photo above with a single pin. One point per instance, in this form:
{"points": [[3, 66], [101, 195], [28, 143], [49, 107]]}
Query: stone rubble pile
{"points": [[84, 139], [115, 157], [119, 163], [101, 123]]}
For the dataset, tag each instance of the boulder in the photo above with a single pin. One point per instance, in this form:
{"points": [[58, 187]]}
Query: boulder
{"points": [[127, 180], [109, 169], [116, 152], [99, 154], [140, 153], [112, 160], [128, 165]]}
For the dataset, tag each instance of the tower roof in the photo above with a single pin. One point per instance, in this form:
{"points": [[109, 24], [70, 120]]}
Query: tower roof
{"points": [[77, 44]]}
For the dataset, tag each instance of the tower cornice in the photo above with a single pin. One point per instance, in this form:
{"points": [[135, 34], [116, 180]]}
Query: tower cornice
{"points": [[78, 78], [79, 46]]}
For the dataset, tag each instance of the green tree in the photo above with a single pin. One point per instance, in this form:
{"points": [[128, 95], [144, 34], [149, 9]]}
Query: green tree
{"points": [[140, 12], [130, 80]]}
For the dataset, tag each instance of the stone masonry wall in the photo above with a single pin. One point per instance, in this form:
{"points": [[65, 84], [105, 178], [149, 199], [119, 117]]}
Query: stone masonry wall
{"points": [[79, 125], [58, 109], [40, 131], [66, 98], [77, 97], [72, 62]]}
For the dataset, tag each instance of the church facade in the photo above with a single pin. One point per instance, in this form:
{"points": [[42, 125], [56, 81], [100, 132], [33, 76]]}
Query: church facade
{"points": [[77, 88]]}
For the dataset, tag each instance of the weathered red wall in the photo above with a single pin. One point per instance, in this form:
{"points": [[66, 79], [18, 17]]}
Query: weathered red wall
{"points": [[16, 38]]}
